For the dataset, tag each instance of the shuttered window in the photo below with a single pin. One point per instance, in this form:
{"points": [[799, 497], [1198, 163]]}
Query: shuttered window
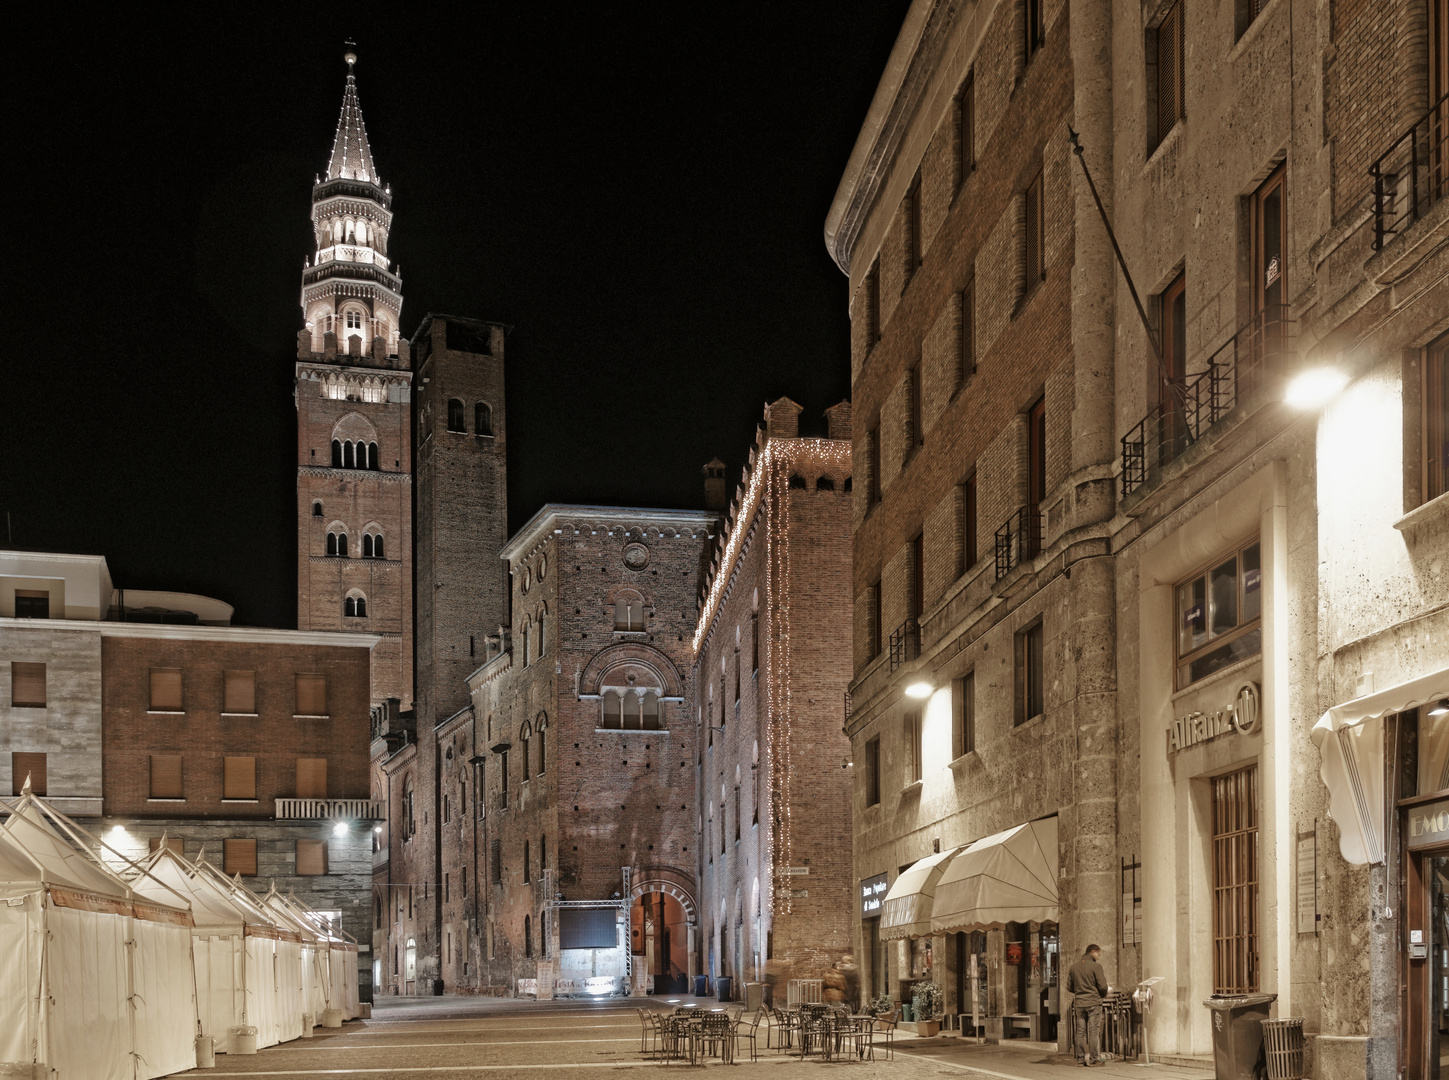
{"points": [[311, 778], [311, 858], [1170, 103], [170, 843], [27, 685], [966, 130], [239, 857], [311, 695], [495, 860], [239, 778], [1035, 254], [166, 689], [1235, 882], [166, 777], [240, 692], [31, 765]]}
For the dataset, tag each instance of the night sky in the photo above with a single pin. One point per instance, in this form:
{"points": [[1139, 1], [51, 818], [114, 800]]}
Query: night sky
{"points": [[641, 198]]}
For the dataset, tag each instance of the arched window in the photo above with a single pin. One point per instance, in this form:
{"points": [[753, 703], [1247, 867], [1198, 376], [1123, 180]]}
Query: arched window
{"points": [[410, 961], [525, 737], [482, 419], [633, 711], [377, 911], [349, 607], [527, 626], [354, 320], [847, 483], [527, 936], [540, 634], [825, 483], [337, 453], [542, 756], [377, 546], [372, 456], [316, 509], [651, 712], [366, 546], [455, 415], [527, 865], [348, 461], [342, 545], [362, 607], [331, 543], [629, 614], [613, 711], [355, 606], [361, 454], [798, 481], [407, 807]]}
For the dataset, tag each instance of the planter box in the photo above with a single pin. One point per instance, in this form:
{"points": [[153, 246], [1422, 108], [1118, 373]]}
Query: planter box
{"points": [[924, 1028]]}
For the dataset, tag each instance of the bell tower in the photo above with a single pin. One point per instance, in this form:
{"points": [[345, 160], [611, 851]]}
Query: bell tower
{"points": [[353, 393]]}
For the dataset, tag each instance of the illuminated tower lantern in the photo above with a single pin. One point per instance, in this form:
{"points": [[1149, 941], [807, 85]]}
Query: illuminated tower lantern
{"points": [[354, 430]]}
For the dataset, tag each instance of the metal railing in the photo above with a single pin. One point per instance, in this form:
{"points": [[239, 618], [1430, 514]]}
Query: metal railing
{"points": [[1412, 174], [905, 643], [1017, 540], [358, 809], [1232, 372]]}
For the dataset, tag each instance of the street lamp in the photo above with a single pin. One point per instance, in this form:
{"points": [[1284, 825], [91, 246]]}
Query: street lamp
{"points": [[340, 829], [1314, 387], [919, 690]]}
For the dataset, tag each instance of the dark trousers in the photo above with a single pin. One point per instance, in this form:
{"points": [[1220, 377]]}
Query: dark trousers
{"points": [[1087, 1032]]}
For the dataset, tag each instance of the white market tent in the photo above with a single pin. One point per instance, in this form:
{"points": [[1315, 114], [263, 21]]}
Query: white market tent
{"points": [[234, 949], [337, 965], [95, 980]]}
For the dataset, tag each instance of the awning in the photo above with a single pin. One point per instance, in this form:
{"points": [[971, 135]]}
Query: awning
{"points": [[1009, 877], [906, 912], [1350, 744]]}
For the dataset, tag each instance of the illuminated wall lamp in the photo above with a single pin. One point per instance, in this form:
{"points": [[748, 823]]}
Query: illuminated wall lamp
{"points": [[919, 690], [1315, 387]]}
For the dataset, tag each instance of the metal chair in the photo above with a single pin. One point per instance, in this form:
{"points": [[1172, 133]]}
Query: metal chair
{"points": [[747, 1032], [712, 1034], [886, 1025]]}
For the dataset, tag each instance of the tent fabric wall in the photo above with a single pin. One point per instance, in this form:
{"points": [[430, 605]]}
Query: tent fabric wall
{"points": [[21, 944], [86, 983], [165, 1009], [289, 982]]}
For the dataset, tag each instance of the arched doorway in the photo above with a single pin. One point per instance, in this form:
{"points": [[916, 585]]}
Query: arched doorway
{"points": [[661, 920]]}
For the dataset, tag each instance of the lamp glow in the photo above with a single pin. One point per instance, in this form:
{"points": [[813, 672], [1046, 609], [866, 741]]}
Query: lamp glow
{"points": [[1314, 387], [1441, 707], [340, 829], [919, 690]]}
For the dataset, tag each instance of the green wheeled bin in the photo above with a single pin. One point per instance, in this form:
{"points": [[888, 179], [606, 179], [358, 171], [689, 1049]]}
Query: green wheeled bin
{"points": [[1237, 1022]]}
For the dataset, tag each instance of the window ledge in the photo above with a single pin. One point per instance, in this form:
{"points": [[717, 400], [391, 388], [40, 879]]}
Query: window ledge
{"points": [[483, 435], [154, 799], [311, 716], [251, 714], [165, 712], [633, 731], [913, 786], [969, 755], [241, 800], [1435, 511], [1029, 722]]}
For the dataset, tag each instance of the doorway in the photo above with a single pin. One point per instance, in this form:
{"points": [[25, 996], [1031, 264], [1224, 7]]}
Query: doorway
{"points": [[1428, 965]]}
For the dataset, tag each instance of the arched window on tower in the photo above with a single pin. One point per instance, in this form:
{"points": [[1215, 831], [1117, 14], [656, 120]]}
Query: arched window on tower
{"points": [[316, 509], [527, 628], [377, 546], [372, 456], [651, 712], [527, 926], [348, 461], [540, 634], [342, 545], [482, 419], [354, 319], [455, 415], [613, 711], [336, 453], [629, 614], [408, 825], [355, 605], [331, 543], [361, 454], [367, 545]]}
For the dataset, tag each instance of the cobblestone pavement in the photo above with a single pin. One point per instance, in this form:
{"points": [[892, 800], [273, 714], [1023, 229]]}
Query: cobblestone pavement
{"points": [[453, 1038]]}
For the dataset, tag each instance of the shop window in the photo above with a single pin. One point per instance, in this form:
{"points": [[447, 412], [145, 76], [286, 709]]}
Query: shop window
{"points": [[27, 765], [1235, 882], [311, 694], [1165, 77], [963, 714], [27, 685], [455, 415], [1030, 650], [1435, 421], [239, 692], [165, 689], [239, 857], [166, 777], [311, 858], [238, 778], [32, 604], [1219, 615]]}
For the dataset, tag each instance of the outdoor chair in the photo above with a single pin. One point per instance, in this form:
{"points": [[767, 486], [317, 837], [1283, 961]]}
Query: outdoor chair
{"points": [[784, 1021], [712, 1035], [886, 1025], [747, 1032]]}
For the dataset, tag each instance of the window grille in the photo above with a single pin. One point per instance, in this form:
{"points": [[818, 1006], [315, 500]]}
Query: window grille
{"points": [[1235, 882]]}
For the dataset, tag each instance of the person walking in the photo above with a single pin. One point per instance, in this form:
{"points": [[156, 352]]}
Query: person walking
{"points": [[1087, 983]]}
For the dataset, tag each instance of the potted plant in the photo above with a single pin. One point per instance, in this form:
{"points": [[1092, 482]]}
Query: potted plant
{"points": [[883, 1005], [927, 1000]]}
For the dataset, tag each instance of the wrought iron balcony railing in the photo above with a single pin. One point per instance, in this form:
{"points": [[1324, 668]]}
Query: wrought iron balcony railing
{"points": [[1412, 174], [905, 643], [1017, 540], [1237, 368]]}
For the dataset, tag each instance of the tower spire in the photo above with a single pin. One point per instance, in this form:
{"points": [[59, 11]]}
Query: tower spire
{"points": [[351, 155]]}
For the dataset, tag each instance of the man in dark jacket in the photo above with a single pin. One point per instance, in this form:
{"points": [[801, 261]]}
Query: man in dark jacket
{"points": [[1087, 983]]}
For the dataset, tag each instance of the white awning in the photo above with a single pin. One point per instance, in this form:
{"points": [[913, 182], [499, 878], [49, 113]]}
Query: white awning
{"points": [[1009, 877], [906, 912], [1350, 745]]}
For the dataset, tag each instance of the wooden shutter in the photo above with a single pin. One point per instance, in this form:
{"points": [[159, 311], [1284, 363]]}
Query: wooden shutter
{"points": [[239, 857], [170, 843], [311, 778], [311, 695], [240, 693], [166, 777], [1169, 72], [1034, 247], [239, 778], [23, 765], [27, 685], [311, 858], [166, 689]]}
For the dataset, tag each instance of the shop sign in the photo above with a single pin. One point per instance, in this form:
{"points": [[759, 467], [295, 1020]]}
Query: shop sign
{"points": [[1201, 727], [872, 895], [794, 871], [1428, 826]]}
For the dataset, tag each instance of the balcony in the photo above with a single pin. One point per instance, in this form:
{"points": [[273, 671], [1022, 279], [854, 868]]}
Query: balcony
{"points": [[905, 643], [1197, 402], [331, 809], [1412, 174], [1018, 540]]}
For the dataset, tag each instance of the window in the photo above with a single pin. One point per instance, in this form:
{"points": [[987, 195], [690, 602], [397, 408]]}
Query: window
{"points": [[911, 222], [1167, 46], [27, 685], [1030, 644], [170, 843], [1266, 290], [341, 545], [455, 415], [409, 823], [166, 777], [349, 457], [495, 861], [239, 692], [239, 857], [32, 604], [738, 665], [1036, 460], [1173, 376], [1034, 27], [963, 714], [722, 828], [366, 545], [966, 333], [966, 527], [377, 552], [542, 854], [649, 720], [1033, 227], [525, 740], [31, 766], [737, 813], [1247, 11], [1235, 882], [527, 865], [755, 641], [527, 935], [797, 483], [1436, 420], [503, 779], [966, 129], [913, 392], [825, 483], [316, 509], [165, 689], [311, 692], [354, 320], [876, 631], [872, 466], [613, 711], [629, 614], [312, 778], [238, 778], [872, 305], [482, 419], [1219, 615], [355, 606], [372, 456], [913, 745], [918, 576], [336, 454], [311, 858], [542, 753]]}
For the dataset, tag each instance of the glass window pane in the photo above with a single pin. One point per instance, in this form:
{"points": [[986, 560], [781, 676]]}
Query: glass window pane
{"points": [[1224, 613], [1252, 583], [1192, 615]]}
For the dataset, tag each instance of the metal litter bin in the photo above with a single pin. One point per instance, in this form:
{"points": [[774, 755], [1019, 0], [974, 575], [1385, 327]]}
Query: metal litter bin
{"points": [[1238, 1033], [722, 984], [1283, 1044]]}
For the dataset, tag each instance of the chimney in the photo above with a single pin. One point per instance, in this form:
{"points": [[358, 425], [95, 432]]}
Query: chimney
{"points": [[304, 343], [714, 486], [782, 419], [837, 419]]}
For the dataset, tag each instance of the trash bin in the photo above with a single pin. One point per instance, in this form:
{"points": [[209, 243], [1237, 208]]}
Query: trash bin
{"points": [[701, 986], [722, 984], [1283, 1044], [1238, 1033]]}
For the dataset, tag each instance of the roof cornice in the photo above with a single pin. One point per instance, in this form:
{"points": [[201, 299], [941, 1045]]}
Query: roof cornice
{"points": [[242, 634], [544, 521]]}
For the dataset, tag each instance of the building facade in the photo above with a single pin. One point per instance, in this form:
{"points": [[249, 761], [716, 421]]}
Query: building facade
{"points": [[771, 664]]}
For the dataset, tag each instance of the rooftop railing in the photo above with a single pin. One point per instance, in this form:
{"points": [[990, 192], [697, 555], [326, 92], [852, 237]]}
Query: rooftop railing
{"points": [[1412, 174]]}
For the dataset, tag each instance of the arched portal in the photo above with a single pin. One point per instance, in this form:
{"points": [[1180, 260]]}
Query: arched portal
{"points": [[662, 919]]}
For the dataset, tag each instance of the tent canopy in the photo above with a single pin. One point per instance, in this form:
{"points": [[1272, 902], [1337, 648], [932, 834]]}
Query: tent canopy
{"points": [[906, 911], [1008, 877], [1350, 745]]}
